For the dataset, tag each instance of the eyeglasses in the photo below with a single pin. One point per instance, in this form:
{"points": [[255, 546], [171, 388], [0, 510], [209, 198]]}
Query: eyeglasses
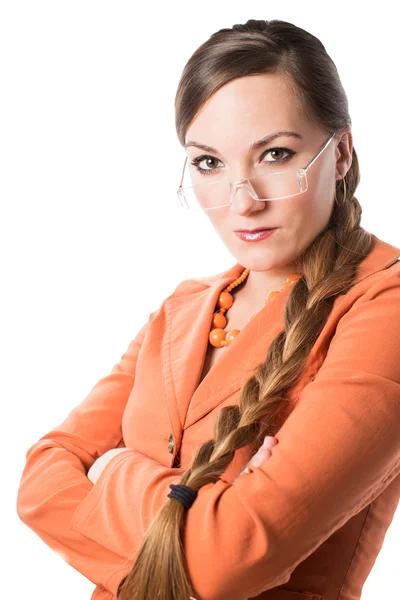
{"points": [[270, 186]]}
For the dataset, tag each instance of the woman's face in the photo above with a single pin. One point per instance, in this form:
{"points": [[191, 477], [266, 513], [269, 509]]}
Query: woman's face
{"points": [[241, 112]]}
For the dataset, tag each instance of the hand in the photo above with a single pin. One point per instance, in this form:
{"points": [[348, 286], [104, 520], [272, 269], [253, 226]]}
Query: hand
{"points": [[262, 454], [100, 463]]}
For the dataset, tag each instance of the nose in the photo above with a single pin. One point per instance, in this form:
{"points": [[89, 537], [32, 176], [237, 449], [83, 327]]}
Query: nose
{"points": [[243, 198]]}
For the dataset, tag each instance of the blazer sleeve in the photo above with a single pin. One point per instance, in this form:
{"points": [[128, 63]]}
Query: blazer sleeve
{"points": [[54, 480], [337, 451]]}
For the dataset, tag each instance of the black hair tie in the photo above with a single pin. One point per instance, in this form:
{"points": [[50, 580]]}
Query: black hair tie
{"points": [[185, 494]]}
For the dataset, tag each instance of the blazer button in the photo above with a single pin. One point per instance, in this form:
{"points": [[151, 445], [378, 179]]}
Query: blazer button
{"points": [[171, 444]]}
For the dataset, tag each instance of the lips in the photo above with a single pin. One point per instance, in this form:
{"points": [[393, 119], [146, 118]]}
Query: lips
{"points": [[254, 230], [255, 236]]}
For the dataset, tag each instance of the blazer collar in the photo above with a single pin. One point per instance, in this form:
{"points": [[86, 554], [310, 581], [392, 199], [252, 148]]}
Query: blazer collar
{"points": [[187, 327]]}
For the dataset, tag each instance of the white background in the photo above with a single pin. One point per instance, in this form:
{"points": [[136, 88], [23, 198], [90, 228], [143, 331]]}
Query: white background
{"points": [[92, 234]]}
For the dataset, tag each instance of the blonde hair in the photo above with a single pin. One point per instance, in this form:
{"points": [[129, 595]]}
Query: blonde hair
{"points": [[328, 268]]}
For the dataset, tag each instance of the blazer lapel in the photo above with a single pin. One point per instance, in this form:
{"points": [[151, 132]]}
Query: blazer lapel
{"points": [[185, 341]]}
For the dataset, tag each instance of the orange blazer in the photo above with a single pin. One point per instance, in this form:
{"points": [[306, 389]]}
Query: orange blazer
{"points": [[308, 523]]}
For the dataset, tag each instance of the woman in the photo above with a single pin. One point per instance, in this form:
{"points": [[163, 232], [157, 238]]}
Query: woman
{"points": [[144, 487]]}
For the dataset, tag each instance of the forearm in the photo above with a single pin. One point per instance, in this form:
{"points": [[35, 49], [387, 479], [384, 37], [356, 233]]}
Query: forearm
{"points": [[53, 485]]}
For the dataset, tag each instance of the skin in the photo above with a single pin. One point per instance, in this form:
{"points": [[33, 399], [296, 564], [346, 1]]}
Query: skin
{"points": [[263, 453], [100, 463], [241, 112]]}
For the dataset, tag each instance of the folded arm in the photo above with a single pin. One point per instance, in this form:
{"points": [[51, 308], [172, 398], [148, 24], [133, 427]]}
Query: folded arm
{"points": [[336, 452]]}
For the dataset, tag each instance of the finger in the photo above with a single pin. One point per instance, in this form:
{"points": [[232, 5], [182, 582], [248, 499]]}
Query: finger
{"points": [[256, 461], [269, 441], [259, 458], [262, 454]]}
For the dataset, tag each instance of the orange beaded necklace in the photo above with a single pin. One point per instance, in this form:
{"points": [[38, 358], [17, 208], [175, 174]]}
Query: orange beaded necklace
{"points": [[218, 336]]}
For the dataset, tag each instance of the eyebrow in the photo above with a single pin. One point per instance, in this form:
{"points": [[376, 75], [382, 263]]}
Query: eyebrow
{"points": [[254, 146]]}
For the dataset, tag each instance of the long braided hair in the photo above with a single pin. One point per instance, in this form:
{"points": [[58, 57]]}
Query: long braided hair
{"points": [[328, 268]]}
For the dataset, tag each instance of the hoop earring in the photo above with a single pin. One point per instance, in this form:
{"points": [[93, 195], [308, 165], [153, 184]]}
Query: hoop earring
{"points": [[345, 191], [340, 203]]}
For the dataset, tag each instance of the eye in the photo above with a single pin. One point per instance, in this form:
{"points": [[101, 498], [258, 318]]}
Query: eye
{"points": [[279, 150], [207, 158]]}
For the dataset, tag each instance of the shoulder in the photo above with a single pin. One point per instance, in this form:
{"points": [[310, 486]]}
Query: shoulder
{"points": [[386, 280], [377, 272]]}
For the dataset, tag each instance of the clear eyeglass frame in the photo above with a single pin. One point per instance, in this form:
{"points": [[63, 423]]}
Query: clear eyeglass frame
{"points": [[299, 176]]}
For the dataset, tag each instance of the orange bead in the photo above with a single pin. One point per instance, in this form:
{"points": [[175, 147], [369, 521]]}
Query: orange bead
{"points": [[217, 337], [231, 336], [225, 300], [218, 321]]}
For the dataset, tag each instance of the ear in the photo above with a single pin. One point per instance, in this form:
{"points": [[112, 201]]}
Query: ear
{"points": [[344, 152]]}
